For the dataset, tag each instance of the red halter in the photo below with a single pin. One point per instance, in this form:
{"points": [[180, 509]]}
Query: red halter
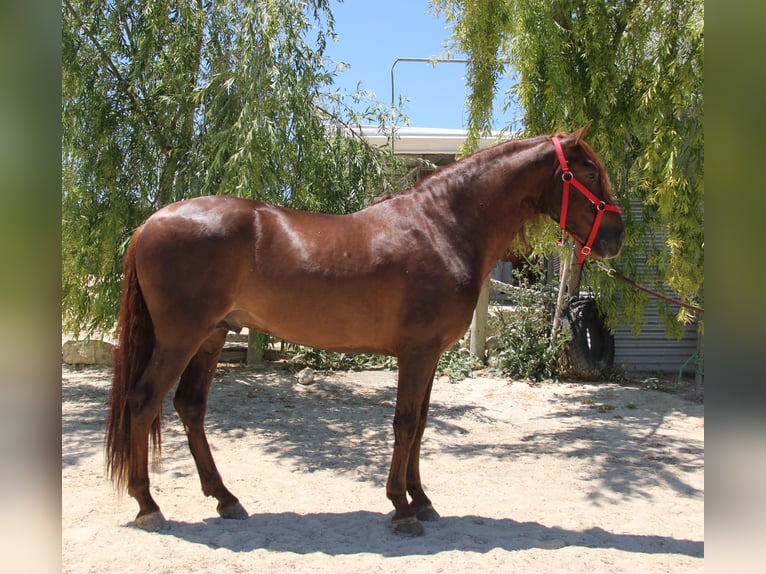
{"points": [[569, 179]]}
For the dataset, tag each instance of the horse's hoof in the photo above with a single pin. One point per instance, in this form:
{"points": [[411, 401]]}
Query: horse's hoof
{"points": [[235, 511], [151, 522], [409, 526], [427, 514]]}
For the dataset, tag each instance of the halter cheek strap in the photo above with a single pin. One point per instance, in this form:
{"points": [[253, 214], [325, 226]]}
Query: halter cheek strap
{"points": [[568, 179]]}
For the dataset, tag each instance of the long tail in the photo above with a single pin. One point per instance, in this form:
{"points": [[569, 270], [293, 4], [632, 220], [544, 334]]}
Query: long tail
{"points": [[134, 349]]}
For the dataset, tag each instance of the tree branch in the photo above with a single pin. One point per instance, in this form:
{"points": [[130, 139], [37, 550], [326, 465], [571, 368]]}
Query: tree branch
{"points": [[560, 18], [342, 122], [135, 101], [622, 19]]}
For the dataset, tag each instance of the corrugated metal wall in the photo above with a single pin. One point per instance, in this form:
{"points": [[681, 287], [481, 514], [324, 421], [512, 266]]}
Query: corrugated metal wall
{"points": [[652, 351]]}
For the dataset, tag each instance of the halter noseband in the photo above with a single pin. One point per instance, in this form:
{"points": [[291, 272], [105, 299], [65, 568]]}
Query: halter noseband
{"points": [[568, 178]]}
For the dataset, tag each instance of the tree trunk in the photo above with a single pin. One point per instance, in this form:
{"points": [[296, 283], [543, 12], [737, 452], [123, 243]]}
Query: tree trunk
{"points": [[566, 265], [575, 276]]}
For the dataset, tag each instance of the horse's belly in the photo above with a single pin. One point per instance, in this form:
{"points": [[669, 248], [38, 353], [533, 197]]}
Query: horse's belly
{"points": [[346, 325]]}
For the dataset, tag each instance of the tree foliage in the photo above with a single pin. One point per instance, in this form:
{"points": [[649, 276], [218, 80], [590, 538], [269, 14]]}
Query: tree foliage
{"points": [[635, 67], [171, 99]]}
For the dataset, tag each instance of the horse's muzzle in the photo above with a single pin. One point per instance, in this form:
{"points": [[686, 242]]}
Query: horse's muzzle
{"points": [[608, 245]]}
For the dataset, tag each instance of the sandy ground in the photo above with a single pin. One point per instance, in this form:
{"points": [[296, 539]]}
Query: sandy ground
{"points": [[576, 478]]}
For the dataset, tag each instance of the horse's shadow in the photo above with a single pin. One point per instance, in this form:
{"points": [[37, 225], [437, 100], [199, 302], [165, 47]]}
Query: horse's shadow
{"points": [[369, 532]]}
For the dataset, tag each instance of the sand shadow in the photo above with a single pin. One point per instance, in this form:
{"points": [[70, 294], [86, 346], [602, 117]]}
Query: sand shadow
{"points": [[338, 426], [370, 532]]}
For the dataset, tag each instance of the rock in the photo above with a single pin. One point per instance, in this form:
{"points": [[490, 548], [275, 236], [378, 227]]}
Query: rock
{"points": [[89, 352], [493, 343], [494, 349], [305, 376]]}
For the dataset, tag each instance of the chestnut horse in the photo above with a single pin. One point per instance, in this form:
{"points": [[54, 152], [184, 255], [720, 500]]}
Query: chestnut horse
{"points": [[400, 277]]}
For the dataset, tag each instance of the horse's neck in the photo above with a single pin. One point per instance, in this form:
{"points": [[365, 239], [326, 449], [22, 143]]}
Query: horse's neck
{"points": [[496, 192]]}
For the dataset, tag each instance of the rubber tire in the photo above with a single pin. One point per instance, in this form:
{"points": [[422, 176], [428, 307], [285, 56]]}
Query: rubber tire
{"points": [[591, 348]]}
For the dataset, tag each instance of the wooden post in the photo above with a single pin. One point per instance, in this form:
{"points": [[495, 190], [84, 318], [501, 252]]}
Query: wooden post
{"points": [[479, 322], [699, 377], [256, 345]]}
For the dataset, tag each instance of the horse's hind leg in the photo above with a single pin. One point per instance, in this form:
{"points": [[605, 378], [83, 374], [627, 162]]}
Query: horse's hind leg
{"points": [[191, 403], [145, 402]]}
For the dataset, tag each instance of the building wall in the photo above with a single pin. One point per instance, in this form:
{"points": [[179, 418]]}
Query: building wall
{"points": [[652, 350]]}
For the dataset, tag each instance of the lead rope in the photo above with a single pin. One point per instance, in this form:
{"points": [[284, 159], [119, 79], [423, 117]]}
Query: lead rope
{"points": [[617, 275]]}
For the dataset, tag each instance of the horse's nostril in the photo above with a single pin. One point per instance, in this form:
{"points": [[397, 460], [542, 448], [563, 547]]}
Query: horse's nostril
{"points": [[621, 241], [610, 245]]}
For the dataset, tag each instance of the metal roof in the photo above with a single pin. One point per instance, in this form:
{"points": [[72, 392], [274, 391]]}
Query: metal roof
{"points": [[415, 141]]}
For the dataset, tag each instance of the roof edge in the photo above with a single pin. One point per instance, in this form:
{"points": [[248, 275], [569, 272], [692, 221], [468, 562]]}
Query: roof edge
{"points": [[420, 140]]}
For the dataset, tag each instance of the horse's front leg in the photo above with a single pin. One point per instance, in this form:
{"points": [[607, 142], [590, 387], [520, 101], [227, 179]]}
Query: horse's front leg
{"points": [[415, 379], [421, 504]]}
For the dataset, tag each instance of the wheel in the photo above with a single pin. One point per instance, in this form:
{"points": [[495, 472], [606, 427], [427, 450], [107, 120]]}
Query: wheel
{"points": [[591, 348]]}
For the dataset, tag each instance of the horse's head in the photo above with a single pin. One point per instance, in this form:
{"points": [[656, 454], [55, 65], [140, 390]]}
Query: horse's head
{"points": [[582, 202]]}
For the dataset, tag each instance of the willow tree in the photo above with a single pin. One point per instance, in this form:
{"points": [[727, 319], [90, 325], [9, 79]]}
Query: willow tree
{"points": [[170, 99], [635, 67]]}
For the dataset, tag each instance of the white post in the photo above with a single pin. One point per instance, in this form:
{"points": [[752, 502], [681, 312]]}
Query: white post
{"points": [[479, 322]]}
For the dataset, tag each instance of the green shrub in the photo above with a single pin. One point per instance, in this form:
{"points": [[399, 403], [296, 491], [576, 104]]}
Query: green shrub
{"points": [[322, 360], [524, 349], [457, 364]]}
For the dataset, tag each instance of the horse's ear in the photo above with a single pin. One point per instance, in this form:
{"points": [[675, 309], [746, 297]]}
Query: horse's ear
{"points": [[579, 134]]}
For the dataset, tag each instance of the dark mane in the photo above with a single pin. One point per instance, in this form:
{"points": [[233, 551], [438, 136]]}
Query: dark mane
{"points": [[481, 160]]}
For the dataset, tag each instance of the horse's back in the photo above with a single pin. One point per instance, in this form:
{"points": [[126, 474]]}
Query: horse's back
{"points": [[206, 215], [367, 281]]}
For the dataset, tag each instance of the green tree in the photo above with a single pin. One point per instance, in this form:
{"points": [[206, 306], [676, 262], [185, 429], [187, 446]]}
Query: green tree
{"points": [[635, 67], [170, 99]]}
